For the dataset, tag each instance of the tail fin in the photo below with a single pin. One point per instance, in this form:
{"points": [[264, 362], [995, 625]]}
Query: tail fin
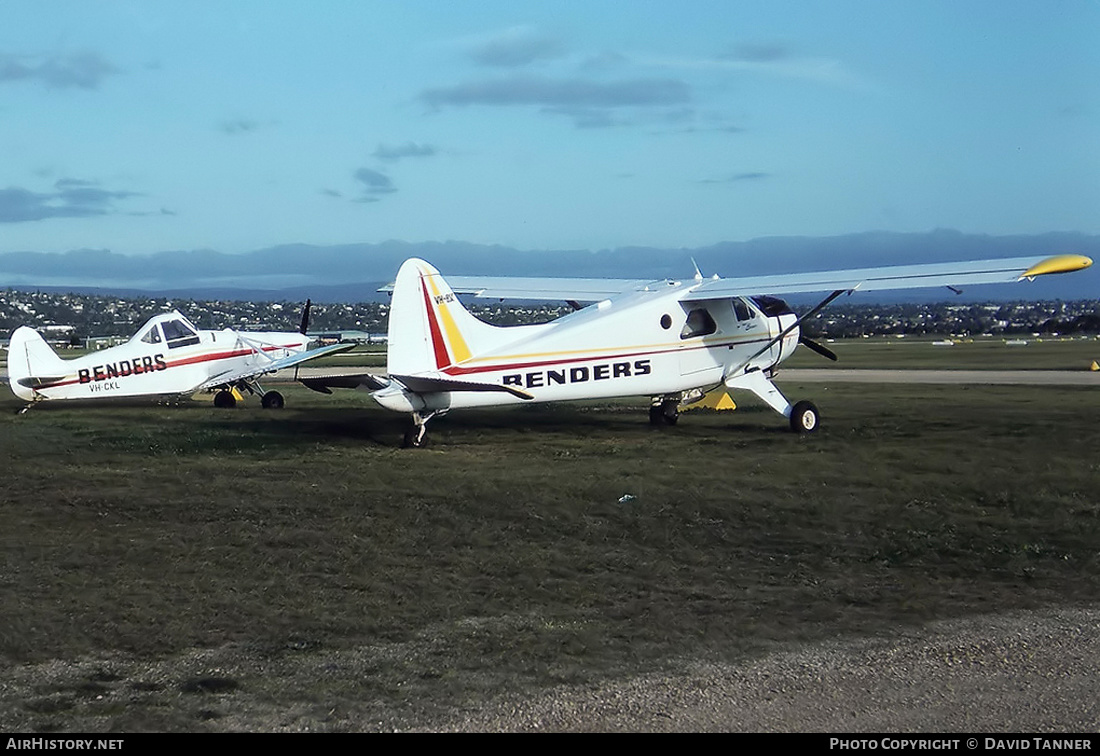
{"points": [[31, 358], [430, 330]]}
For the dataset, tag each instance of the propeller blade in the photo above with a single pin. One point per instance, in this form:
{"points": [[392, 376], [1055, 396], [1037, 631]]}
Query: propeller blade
{"points": [[821, 349], [305, 318]]}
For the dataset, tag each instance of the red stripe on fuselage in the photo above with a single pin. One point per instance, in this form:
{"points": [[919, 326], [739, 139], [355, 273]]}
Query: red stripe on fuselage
{"points": [[194, 360], [456, 370], [439, 347]]}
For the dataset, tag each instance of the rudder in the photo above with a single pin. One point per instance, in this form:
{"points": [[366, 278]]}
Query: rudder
{"points": [[430, 330]]}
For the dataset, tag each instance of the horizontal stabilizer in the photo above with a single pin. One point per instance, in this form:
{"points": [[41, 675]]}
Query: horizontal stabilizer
{"points": [[38, 381], [426, 385], [325, 383]]}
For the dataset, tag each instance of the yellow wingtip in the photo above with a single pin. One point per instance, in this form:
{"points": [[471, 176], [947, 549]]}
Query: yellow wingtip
{"points": [[1058, 264]]}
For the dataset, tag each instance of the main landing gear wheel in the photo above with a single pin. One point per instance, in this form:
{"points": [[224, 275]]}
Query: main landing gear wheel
{"points": [[224, 400], [665, 413], [272, 400], [804, 417]]}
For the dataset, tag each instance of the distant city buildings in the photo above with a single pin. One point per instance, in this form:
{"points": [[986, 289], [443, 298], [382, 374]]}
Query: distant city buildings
{"points": [[90, 320]]}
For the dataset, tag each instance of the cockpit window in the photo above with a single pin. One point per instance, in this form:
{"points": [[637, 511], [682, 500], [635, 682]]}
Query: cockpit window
{"points": [[699, 323], [152, 336], [178, 334], [773, 307], [742, 310]]}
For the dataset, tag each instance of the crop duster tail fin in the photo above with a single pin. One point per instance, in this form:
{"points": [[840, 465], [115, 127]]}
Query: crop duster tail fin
{"points": [[31, 361], [430, 329]]}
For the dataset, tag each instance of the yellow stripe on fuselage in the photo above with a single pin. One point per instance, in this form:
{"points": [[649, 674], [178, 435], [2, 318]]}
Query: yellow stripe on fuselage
{"points": [[605, 351]]}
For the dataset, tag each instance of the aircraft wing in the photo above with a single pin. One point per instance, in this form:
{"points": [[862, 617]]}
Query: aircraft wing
{"points": [[232, 376], [929, 275], [543, 289]]}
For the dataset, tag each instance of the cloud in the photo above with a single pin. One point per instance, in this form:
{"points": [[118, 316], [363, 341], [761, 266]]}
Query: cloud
{"points": [[759, 52], [738, 177], [516, 47], [774, 60], [80, 71], [561, 93], [238, 126], [406, 150], [375, 184], [74, 198]]}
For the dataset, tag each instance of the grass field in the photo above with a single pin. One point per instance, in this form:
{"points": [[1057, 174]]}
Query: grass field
{"points": [[184, 568]]}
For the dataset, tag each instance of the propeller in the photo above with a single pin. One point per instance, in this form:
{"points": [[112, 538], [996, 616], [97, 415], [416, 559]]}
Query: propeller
{"points": [[813, 346], [305, 318]]}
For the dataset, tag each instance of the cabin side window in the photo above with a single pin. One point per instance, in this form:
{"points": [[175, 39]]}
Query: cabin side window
{"points": [[699, 323], [178, 334], [742, 310]]}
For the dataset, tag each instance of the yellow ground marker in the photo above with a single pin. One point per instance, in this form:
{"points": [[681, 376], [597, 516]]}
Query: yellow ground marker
{"points": [[718, 400]]}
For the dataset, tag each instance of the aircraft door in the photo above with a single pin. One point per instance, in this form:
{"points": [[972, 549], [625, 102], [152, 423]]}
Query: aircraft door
{"points": [[704, 323]]}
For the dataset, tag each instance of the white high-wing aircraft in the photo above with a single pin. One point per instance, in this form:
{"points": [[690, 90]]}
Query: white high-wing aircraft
{"points": [[168, 356], [670, 340]]}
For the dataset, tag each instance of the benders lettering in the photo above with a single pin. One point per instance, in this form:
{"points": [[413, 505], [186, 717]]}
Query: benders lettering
{"points": [[580, 374], [123, 368]]}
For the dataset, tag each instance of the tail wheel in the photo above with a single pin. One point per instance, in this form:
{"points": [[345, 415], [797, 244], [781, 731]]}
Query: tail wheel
{"points": [[272, 400], [414, 438], [804, 417]]}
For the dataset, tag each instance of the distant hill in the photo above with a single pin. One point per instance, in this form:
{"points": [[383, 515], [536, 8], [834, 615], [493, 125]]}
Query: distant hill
{"points": [[353, 272]]}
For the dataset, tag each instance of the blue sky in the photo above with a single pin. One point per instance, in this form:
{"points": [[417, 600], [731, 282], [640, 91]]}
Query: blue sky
{"points": [[236, 125]]}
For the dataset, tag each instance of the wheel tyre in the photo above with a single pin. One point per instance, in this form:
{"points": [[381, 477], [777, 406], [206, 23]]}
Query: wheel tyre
{"points": [[670, 412], [656, 415], [410, 441], [224, 400], [804, 417], [272, 400]]}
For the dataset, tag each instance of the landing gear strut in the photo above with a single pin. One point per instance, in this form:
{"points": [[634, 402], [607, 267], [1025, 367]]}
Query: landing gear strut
{"points": [[416, 434], [803, 415]]}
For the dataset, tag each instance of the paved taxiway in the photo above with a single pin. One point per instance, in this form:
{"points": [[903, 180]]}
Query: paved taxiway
{"points": [[988, 377]]}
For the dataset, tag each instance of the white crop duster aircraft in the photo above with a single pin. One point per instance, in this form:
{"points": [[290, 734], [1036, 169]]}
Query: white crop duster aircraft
{"points": [[168, 356], [669, 340]]}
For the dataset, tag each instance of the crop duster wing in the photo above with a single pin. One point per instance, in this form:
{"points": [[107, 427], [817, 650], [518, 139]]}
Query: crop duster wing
{"points": [[232, 376]]}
